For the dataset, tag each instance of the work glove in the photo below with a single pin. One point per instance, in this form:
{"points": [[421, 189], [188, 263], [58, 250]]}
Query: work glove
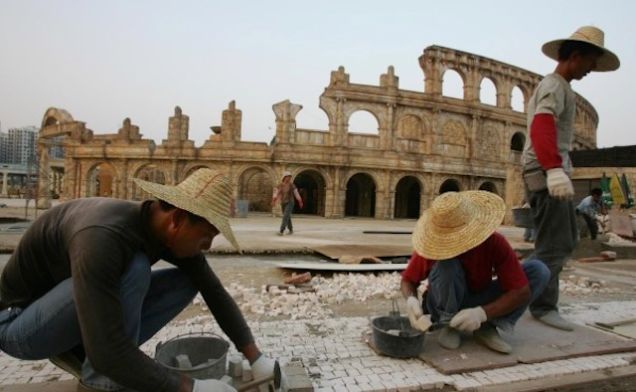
{"points": [[264, 367], [413, 307], [559, 184], [211, 386], [468, 320]]}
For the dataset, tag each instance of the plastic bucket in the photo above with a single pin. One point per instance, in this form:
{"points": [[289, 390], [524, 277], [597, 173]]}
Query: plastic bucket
{"points": [[407, 344], [207, 355]]}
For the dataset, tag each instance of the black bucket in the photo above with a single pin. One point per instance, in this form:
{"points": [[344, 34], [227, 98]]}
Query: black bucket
{"points": [[207, 355], [406, 343]]}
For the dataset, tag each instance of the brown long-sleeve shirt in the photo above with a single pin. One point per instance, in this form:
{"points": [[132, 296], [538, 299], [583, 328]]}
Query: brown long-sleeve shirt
{"points": [[91, 241]]}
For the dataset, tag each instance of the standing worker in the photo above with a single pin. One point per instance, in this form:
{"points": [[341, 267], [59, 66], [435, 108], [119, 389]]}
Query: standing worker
{"points": [[546, 163], [286, 191], [80, 291]]}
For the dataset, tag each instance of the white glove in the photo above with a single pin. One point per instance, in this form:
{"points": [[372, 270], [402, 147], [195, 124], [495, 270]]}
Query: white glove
{"points": [[264, 367], [468, 320], [413, 307], [211, 386], [559, 184]]}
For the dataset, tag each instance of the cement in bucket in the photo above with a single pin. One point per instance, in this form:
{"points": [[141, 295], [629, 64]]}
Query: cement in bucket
{"points": [[201, 356]]}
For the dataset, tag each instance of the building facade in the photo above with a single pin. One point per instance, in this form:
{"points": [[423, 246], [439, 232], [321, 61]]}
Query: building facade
{"points": [[427, 143]]}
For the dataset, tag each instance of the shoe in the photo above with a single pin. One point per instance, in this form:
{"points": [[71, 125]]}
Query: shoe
{"points": [[488, 336], [449, 338], [291, 232], [68, 362], [280, 233], [554, 319]]}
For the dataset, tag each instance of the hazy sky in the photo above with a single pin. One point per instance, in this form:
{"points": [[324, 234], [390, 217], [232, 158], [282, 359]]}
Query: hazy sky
{"points": [[104, 61]]}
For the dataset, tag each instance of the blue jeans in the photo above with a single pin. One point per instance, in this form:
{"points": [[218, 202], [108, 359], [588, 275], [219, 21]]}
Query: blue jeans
{"points": [[448, 292], [49, 325]]}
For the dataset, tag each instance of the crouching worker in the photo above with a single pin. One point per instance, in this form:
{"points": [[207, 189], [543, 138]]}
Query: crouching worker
{"points": [[459, 251], [80, 291]]}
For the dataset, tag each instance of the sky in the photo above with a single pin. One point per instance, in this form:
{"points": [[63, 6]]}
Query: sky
{"points": [[105, 61]]}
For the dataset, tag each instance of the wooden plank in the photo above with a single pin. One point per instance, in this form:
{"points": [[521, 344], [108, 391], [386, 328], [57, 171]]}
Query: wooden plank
{"points": [[568, 381], [336, 251], [532, 342], [337, 267]]}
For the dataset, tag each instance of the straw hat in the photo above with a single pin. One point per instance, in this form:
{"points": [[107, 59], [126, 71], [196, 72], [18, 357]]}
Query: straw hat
{"points": [[456, 223], [205, 193], [591, 35]]}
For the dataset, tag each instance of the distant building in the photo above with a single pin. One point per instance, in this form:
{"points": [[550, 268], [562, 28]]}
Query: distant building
{"points": [[18, 145]]}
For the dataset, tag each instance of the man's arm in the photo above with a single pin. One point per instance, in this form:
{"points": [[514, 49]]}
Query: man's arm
{"points": [[507, 302], [298, 198], [408, 289]]}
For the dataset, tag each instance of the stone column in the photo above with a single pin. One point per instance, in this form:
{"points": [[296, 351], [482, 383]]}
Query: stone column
{"points": [[44, 197], [5, 184]]}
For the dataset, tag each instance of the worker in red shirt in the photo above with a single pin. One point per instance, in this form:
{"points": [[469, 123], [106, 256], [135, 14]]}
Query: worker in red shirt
{"points": [[475, 281]]}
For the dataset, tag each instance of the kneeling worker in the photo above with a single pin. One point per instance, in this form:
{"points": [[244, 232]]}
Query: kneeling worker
{"points": [[459, 251]]}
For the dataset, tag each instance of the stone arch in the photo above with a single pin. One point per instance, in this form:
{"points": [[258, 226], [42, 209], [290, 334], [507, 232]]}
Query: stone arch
{"points": [[488, 91], [148, 172], [517, 99], [255, 184], [55, 116], [488, 186], [449, 185], [408, 192], [517, 141], [360, 195], [410, 126], [363, 122], [313, 189], [450, 87], [101, 180]]}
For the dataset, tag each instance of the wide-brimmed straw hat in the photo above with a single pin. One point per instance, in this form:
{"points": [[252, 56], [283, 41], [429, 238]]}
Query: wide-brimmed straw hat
{"points": [[591, 35], [457, 222], [205, 193]]}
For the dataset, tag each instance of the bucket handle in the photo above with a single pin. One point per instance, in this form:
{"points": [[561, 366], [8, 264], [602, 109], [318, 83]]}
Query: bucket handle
{"points": [[187, 334]]}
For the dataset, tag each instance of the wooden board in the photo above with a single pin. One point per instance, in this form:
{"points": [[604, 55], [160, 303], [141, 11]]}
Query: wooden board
{"points": [[337, 267], [532, 342], [336, 251]]}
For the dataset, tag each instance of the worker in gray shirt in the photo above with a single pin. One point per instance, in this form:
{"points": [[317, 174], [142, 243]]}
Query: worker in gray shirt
{"points": [[80, 291]]}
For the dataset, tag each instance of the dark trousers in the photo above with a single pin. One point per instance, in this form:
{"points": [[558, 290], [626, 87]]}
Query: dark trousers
{"points": [[287, 209], [556, 235]]}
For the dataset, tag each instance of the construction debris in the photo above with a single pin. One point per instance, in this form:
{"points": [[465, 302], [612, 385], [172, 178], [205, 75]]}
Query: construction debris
{"points": [[575, 285]]}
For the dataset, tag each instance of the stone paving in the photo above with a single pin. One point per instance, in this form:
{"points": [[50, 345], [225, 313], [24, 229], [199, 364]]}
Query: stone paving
{"points": [[336, 359]]}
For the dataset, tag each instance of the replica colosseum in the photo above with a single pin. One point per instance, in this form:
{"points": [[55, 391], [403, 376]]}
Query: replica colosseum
{"points": [[426, 144]]}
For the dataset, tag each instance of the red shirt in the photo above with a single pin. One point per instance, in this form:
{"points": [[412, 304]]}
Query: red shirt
{"points": [[492, 257]]}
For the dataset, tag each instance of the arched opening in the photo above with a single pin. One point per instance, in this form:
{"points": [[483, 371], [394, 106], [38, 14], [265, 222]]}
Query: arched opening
{"points": [[191, 170], [407, 198], [489, 187], [518, 141], [255, 186], [101, 181], [488, 92], [150, 173], [449, 185], [452, 84], [517, 100], [311, 187], [360, 196], [312, 118], [363, 122]]}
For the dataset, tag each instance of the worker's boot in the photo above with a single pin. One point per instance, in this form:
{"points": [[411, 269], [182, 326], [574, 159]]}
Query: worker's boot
{"points": [[554, 319], [449, 338], [488, 336]]}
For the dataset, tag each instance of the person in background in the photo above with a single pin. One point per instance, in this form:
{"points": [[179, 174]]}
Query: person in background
{"points": [[589, 208], [286, 192]]}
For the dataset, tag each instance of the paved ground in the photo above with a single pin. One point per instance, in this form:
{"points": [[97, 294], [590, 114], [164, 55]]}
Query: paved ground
{"points": [[323, 329]]}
